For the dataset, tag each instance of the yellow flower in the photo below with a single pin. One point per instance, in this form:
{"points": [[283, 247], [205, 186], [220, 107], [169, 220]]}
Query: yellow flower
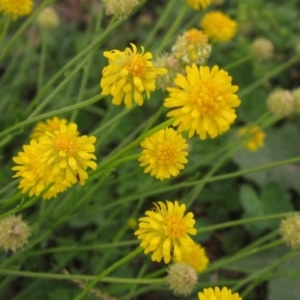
{"points": [[164, 154], [66, 155], [255, 137], [217, 294], [203, 101], [192, 47], [50, 125], [28, 169], [129, 75], [16, 7], [196, 258], [197, 4], [165, 231], [218, 26]]}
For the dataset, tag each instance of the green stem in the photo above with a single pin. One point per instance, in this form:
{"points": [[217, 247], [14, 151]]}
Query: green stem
{"points": [[113, 267], [162, 21], [132, 145], [192, 183], [80, 277], [52, 113], [258, 276], [224, 262], [172, 29], [269, 75], [237, 62], [42, 59], [77, 248], [60, 86], [111, 121], [4, 29], [28, 21], [73, 61], [242, 222]]}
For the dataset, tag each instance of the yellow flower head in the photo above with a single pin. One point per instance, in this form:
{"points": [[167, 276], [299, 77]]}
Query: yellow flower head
{"points": [[50, 125], [196, 258], [28, 169], [192, 47], [66, 155], [165, 231], [164, 154], [197, 4], [16, 8], [217, 294], [204, 101], [14, 233], [128, 75], [256, 137], [218, 26]]}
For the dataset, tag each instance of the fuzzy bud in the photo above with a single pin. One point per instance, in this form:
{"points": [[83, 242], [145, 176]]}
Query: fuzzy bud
{"points": [[48, 18], [14, 233], [181, 278], [281, 103], [132, 223], [171, 63], [296, 95], [262, 49], [192, 47], [290, 230], [120, 8]]}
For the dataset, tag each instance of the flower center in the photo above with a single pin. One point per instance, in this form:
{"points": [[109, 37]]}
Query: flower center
{"points": [[207, 98], [166, 154], [175, 226], [65, 142], [195, 36], [136, 65]]}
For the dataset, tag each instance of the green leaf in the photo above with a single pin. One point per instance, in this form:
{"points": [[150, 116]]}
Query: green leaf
{"points": [[281, 143], [272, 200]]}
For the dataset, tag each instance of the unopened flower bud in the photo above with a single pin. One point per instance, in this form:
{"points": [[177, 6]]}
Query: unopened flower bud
{"points": [[290, 230], [14, 233], [181, 279], [120, 8], [171, 63], [262, 49], [48, 18], [281, 103], [296, 95], [192, 47]]}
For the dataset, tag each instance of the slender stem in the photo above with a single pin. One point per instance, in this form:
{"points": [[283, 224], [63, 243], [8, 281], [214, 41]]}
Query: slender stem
{"points": [[42, 59], [172, 29], [192, 183], [80, 277], [162, 21], [28, 21], [237, 62], [74, 60], [226, 261], [269, 75], [114, 266], [52, 113], [58, 88], [4, 28], [77, 248], [242, 222]]}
